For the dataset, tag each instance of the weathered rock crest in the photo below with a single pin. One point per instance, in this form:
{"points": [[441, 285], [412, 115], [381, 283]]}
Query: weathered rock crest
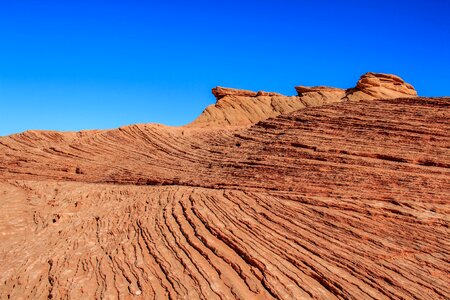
{"points": [[349, 200], [241, 107]]}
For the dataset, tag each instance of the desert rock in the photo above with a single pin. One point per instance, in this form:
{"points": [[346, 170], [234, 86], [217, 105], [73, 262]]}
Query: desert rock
{"points": [[342, 201], [242, 108], [380, 86]]}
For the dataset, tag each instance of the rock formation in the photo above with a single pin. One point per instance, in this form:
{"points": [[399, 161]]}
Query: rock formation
{"points": [[380, 86], [319, 95], [342, 201], [240, 107]]}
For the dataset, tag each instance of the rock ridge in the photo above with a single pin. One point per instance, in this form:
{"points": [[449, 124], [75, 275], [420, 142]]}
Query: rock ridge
{"points": [[221, 92], [343, 201], [380, 86], [237, 107]]}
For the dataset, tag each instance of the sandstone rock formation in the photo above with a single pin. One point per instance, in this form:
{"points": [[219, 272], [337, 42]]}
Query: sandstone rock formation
{"points": [[240, 107], [380, 86], [344, 201], [319, 95]]}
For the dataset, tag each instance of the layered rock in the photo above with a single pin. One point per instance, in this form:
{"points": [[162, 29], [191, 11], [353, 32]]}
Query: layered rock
{"points": [[241, 107], [319, 95], [380, 86], [220, 92], [344, 201]]}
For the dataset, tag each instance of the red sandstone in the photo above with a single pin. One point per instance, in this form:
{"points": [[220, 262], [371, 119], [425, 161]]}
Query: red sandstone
{"points": [[348, 200]]}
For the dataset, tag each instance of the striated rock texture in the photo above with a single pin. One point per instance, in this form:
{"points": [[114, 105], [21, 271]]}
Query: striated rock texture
{"points": [[319, 95], [380, 86], [242, 108], [344, 201]]}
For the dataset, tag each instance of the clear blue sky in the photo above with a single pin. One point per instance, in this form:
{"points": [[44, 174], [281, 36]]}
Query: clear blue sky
{"points": [[71, 65]]}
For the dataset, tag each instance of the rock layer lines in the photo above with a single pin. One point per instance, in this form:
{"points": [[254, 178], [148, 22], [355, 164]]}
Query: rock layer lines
{"points": [[240, 107], [348, 200]]}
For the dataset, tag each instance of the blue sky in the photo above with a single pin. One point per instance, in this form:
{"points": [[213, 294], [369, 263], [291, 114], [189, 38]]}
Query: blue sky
{"points": [[72, 65]]}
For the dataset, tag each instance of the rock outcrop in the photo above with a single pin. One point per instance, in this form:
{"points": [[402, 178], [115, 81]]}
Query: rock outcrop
{"points": [[238, 107], [344, 201], [319, 95], [242, 108], [380, 86], [220, 92]]}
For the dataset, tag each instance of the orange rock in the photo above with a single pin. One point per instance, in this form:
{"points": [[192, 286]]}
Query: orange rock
{"points": [[241, 107], [220, 92], [341, 201], [380, 86]]}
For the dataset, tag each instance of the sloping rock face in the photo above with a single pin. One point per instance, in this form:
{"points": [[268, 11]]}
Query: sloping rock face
{"points": [[345, 201], [238, 107], [380, 86], [319, 95], [242, 108]]}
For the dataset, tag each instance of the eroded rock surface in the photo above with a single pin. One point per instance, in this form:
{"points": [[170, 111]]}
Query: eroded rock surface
{"points": [[380, 86], [344, 201], [242, 108]]}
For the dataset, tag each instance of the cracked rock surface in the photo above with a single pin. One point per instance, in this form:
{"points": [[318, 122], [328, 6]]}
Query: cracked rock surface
{"points": [[347, 200]]}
